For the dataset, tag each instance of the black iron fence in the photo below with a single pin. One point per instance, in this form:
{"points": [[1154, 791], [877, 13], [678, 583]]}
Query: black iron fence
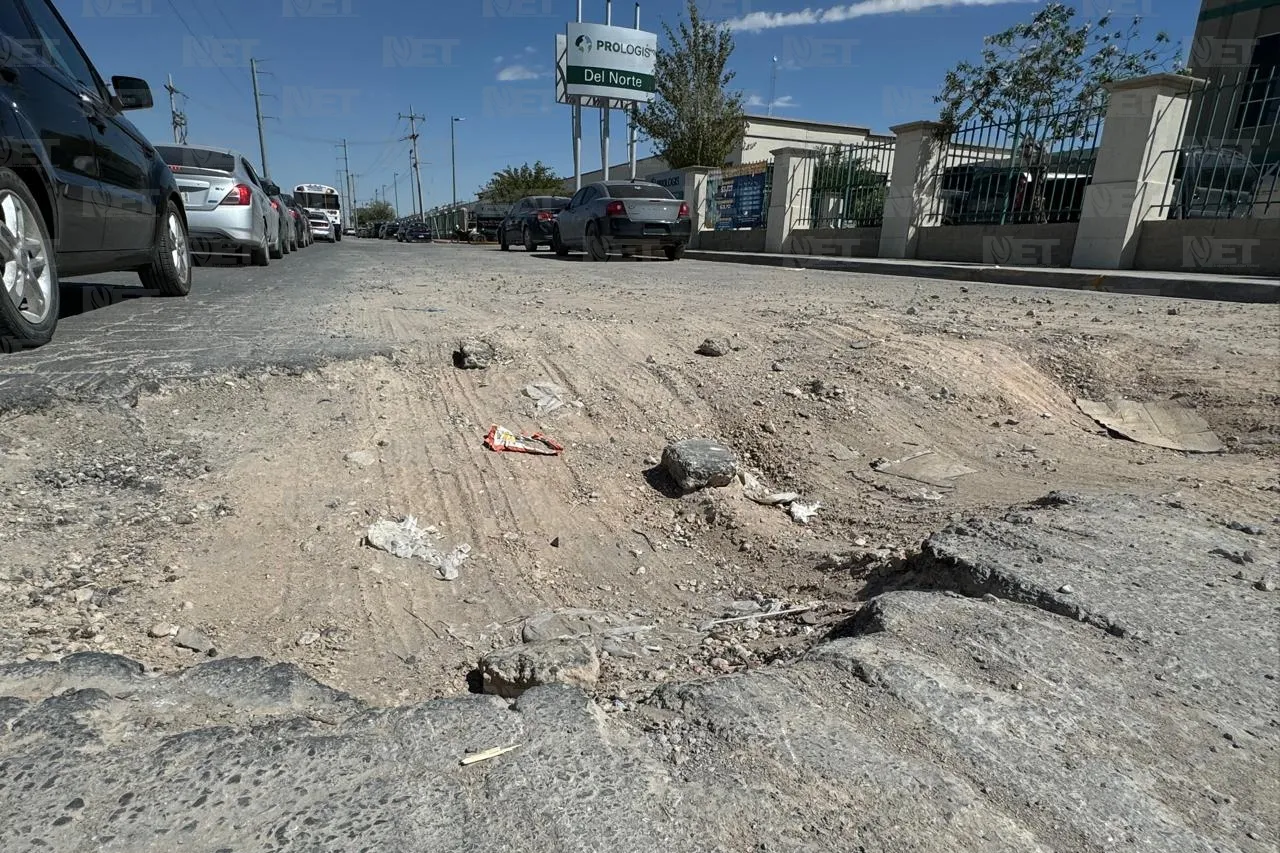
{"points": [[1023, 168], [848, 185], [1227, 164]]}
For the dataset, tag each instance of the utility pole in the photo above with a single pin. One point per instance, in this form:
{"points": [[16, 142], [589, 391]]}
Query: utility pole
{"points": [[178, 117], [453, 156], [413, 137], [348, 183], [773, 85], [395, 185], [257, 108]]}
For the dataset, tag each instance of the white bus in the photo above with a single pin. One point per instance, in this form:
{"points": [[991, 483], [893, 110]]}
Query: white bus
{"points": [[322, 198]]}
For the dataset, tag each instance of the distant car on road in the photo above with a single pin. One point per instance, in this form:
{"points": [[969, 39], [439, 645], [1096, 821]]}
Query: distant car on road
{"points": [[81, 189], [623, 216], [531, 222], [389, 232], [322, 227], [415, 232], [229, 212]]}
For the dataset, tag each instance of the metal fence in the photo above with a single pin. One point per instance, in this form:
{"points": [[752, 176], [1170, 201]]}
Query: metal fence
{"points": [[1227, 164], [737, 197], [1024, 169], [848, 185]]}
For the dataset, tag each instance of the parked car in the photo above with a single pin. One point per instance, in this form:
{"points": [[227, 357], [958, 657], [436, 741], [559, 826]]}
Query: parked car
{"points": [[81, 188], [390, 231], [229, 210], [415, 232], [286, 242], [298, 218], [322, 227], [625, 216], [531, 222]]}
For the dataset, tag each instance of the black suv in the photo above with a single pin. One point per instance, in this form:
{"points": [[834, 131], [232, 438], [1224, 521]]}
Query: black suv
{"points": [[82, 191]]}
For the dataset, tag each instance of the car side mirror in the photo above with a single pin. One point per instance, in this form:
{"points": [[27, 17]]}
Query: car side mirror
{"points": [[132, 93], [270, 188]]}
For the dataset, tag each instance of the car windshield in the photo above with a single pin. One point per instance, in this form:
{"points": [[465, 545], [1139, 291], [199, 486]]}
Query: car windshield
{"points": [[196, 158], [638, 191]]}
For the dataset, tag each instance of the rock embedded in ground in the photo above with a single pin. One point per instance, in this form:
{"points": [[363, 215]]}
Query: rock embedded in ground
{"points": [[473, 354], [699, 463], [511, 671], [714, 347], [196, 641], [360, 458]]}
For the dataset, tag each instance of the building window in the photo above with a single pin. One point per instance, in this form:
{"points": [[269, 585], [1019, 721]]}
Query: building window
{"points": [[1260, 95]]}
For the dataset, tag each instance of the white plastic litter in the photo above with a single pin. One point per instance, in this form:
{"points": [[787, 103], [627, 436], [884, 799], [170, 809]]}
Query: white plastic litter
{"points": [[405, 539], [803, 512], [758, 492], [548, 397]]}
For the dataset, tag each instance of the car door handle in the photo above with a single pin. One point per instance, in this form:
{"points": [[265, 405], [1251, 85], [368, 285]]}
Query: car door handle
{"points": [[9, 74]]}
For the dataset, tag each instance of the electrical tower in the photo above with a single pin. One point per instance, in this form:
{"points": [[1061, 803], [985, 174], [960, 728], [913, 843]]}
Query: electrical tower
{"points": [[413, 137], [178, 117]]}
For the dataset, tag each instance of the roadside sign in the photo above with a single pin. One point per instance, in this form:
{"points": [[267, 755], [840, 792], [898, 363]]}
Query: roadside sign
{"points": [[609, 62]]}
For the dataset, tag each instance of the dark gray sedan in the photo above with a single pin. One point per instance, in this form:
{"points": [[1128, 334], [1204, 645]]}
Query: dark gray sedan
{"points": [[624, 216]]}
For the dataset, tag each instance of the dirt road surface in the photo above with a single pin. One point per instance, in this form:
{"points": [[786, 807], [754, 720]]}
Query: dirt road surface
{"points": [[209, 468]]}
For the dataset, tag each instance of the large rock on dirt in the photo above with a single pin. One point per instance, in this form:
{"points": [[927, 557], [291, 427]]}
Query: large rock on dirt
{"points": [[970, 705], [699, 463], [473, 354], [565, 660]]}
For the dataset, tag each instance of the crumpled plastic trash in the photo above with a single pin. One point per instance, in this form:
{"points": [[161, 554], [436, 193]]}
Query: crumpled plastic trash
{"points": [[802, 513], [758, 492], [405, 539], [501, 439], [548, 396]]}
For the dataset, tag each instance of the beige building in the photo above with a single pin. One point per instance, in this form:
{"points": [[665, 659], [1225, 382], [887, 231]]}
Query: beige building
{"points": [[764, 134]]}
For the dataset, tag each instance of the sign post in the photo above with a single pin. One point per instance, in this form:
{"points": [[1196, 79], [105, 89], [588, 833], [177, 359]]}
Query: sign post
{"points": [[607, 67]]}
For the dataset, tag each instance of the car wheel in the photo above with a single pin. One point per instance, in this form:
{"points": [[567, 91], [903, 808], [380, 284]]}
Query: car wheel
{"points": [[260, 257], [29, 287], [277, 250], [502, 241], [170, 271], [337, 237], [557, 245], [674, 253], [529, 244], [595, 247]]}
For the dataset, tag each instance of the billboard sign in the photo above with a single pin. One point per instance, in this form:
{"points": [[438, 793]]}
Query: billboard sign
{"points": [[615, 63]]}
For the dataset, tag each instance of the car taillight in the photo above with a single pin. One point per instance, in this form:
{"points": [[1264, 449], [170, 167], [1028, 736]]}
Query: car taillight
{"points": [[545, 215], [684, 210], [616, 208], [275, 205], [294, 214], [239, 194]]}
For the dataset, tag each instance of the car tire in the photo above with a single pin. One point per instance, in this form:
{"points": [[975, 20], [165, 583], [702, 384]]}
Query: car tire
{"points": [[337, 236], [557, 244], [27, 327], [277, 248], [529, 244], [169, 272], [594, 244], [502, 241], [674, 253], [260, 256]]}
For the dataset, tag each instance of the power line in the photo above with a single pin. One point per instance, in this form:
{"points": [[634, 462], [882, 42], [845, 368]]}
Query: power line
{"points": [[287, 134], [196, 38]]}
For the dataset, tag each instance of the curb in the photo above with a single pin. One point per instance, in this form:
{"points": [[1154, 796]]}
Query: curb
{"points": [[1169, 285]]}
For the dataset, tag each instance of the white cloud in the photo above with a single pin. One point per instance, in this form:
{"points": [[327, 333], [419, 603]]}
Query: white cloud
{"points": [[513, 73], [755, 22], [530, 49], [786, 102]]}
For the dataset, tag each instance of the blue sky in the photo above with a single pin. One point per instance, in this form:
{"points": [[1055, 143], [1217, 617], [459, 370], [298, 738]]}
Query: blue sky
{"points": [[348, 68]]}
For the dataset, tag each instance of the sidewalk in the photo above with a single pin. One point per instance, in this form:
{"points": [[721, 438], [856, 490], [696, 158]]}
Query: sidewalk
{"points": [[1178, 285]]}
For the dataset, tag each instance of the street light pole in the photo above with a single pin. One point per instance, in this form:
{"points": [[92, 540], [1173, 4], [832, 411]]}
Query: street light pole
{"points": [[453, 146]]}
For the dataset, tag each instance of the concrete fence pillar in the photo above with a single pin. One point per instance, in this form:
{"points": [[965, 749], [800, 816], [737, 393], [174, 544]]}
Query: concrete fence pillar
{"points": [[913, 187], [694, 194], [788, 195], [1137, 155]]}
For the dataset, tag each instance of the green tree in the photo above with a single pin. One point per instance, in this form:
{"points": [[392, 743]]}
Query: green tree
{"points": [[1052, 68], [515, 182], [376, 211], [695, 120]]}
